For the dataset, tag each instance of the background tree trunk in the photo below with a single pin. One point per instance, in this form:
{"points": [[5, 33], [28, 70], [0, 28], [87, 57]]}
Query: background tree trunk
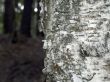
{"points": [[77, 41], [9, 16], [26, 18], [38, 17]]}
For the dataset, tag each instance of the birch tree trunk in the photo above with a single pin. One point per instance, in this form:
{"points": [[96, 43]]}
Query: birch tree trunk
{"points": [[77, 41]]}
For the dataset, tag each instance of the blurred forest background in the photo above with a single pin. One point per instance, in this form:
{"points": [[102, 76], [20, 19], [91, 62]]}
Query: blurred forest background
{"points": [[20, 15], [1, 15], [21, 52]]}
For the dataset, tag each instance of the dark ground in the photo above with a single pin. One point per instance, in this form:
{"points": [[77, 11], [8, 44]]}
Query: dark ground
{"points": [[21, 62]]}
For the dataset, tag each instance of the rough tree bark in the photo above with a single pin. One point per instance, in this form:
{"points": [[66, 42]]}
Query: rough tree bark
{"points": [[9, 16], [26, 18], [77, 41]]}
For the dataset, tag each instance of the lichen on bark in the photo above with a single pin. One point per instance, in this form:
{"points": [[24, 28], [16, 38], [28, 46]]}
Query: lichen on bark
{"points": [[77, 41]]}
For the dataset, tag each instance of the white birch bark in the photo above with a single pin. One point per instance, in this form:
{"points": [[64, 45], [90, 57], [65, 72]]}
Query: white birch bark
{"points": [[77, 41]]}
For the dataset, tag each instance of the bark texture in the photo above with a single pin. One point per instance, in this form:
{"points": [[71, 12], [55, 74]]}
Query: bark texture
{"points": [[77, 41]]}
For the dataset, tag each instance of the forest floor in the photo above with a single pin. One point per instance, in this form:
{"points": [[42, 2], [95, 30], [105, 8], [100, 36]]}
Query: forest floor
{"points": [[22, 61]]}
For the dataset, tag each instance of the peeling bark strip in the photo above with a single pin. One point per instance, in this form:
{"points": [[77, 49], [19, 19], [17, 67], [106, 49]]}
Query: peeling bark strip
{"points": [[77, 41]]}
